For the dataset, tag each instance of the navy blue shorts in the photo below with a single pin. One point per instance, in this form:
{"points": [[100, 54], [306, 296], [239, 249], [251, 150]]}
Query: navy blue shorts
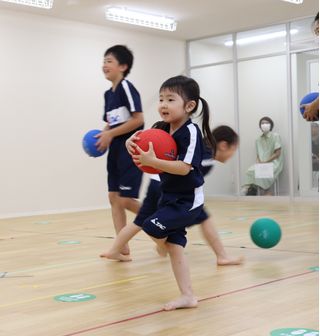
{"points": [[123, 175], [150, 203], [172, 217], [201, 218]]}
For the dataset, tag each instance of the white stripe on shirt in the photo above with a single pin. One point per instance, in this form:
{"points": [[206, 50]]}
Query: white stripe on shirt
{"points": [[207, 162], [129, 95], [198, 197], [193, 142], [155, 177]]}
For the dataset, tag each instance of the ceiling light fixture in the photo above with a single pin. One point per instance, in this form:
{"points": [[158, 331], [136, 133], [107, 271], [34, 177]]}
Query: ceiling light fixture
{"points": [[125, 15], [260, 38], [47, 4], [297, 2]]}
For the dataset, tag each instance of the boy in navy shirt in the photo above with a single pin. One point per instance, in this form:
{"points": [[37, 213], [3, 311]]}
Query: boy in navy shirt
{"points": [[123, 115]]}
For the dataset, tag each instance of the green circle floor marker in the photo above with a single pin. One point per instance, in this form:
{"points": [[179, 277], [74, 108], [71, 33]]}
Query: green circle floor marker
{"points": [[294, 332], [314, 268], [69, 242], [42, 222], [78, 297]]}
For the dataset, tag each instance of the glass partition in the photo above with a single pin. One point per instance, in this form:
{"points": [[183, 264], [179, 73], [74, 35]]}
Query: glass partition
{"points": [[217, 87], [254, 85], [210, 50], [261, 41], [304, 38], [263, 93], [305, 79]]}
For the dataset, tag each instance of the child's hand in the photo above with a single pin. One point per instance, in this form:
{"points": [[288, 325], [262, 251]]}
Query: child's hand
{"points": [[130, 143], [104, 140], [311, 112], [144, 158]]}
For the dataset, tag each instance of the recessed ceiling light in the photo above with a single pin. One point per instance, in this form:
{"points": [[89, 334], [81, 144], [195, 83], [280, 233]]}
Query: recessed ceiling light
{"points": [[47, 4], [297, 2], [121, 14]]}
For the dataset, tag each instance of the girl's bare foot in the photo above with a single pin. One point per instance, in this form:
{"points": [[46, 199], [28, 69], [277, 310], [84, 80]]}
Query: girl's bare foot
{"points": [[115, 256], [183, 301], [125, 250], [226, 261]]}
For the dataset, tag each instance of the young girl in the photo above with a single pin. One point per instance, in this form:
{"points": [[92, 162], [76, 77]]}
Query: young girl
{"points": [[182, 199], [227, 141], [226, 145]]}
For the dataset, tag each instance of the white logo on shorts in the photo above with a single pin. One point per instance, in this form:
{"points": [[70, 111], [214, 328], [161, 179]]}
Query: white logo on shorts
{"points": [[156, 223], [122, 187]]}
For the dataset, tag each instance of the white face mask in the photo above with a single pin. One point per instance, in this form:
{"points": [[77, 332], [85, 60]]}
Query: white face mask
{"points": [[265, 128]]}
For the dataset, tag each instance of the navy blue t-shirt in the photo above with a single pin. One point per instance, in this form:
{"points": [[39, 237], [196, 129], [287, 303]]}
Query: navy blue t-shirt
{"points": [[190, 150], [119, 104]]}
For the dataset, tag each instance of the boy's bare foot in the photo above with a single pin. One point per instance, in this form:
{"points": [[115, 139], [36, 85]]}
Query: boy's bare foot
{"points": [[115, 256], [226, 261], [161, 251], [182, 302]]}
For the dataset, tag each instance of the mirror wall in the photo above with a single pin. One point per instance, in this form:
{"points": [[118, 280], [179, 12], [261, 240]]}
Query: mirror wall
{"points": [[260, 73]]}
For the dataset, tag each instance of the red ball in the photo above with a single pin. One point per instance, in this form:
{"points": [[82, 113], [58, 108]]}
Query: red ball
{"points": [[164, 146]]}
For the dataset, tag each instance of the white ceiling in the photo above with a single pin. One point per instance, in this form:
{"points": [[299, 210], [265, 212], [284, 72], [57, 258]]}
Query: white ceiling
{"points": [[196, 18]]}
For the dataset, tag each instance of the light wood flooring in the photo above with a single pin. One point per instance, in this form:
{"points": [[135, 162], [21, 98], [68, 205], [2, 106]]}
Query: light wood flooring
{"points": [[45, 256]]}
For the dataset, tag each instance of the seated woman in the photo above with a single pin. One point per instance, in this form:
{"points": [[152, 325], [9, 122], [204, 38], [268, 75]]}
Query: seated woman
{"points": [[269, 149]]}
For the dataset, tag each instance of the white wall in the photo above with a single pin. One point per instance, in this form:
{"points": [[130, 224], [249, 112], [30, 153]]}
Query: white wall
{"points": [[51, 93]]}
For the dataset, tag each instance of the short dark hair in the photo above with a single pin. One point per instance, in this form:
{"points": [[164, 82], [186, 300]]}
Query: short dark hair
{"points": [[123, 55], [316, 18], [225, 133], [269, 120]]}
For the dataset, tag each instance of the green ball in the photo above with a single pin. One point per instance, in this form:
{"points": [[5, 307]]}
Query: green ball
{"points": [[265, 232]]}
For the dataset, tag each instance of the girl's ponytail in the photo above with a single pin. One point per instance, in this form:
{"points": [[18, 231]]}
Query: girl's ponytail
{"points": [[205, 113]]}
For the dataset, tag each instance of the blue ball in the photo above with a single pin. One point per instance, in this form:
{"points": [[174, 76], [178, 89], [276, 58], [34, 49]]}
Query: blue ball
{"points": [[309, 98], [89, 143]]}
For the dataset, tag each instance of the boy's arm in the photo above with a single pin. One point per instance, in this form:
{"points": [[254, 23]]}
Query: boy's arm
{"points": [[130, 125], [106, 136], [311, 111]]}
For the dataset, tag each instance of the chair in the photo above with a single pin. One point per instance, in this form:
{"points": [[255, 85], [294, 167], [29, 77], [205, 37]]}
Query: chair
{"points": [[265, 170]]}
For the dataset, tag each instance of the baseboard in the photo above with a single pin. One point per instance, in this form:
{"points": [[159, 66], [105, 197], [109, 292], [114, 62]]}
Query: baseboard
{"points": [[269, 199], [51, 212]]}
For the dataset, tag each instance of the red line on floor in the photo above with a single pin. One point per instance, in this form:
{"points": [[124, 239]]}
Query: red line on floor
{"points": [[113, 323], [255, 286], [204, 299]]}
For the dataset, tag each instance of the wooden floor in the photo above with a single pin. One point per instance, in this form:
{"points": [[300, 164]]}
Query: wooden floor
{"points": [[45, 256]]}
